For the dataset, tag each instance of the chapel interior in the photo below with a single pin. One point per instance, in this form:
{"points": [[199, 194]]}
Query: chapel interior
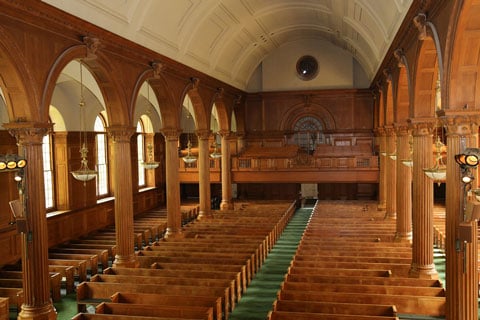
{"points": [[156, 156]]}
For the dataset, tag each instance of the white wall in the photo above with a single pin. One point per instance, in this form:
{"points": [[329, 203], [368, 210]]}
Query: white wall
{"points": [[337, 68]]}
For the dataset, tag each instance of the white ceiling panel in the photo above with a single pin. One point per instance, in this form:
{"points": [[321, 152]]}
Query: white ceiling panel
{"points": [[228, 39]]}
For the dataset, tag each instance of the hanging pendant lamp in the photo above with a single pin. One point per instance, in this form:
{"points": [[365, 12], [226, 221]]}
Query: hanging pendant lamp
{"points": [[83, 173]]}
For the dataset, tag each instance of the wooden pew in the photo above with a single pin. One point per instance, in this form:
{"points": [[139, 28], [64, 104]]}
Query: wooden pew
{"points": [[99, 316], [80, 266], [67, 272], [14, 295], [91, 259], [14, 279], [247, 259], [335, 308], [334, 272], [285, 315], [166, 281], [177, 301], [408, 304], [204, 313], [93, 293], [236, 276], [357, 279], [365, 288], [4, 309], [398, 270], [102, 254], [204, 265]]}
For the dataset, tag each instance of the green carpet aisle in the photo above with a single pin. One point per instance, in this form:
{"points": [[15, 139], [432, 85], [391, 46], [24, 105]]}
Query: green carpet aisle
{"points": [[261, 293]]}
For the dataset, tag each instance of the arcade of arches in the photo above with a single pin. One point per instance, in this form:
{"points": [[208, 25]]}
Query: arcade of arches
{"points": [[142, 107]]}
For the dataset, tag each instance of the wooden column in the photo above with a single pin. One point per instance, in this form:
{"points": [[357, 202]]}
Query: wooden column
{"points": [[461, 255], [404, 185], [391, 173], [122, 172], [36, 278], [422, 217], [204, 173], [382, 191], [226, 203], [174, 214]]}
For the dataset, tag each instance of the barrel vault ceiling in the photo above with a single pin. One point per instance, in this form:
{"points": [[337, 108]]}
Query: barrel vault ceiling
{"points": [[228, 39]]}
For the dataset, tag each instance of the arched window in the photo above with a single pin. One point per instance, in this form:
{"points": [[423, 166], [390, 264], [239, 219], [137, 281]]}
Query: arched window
{"points": [[308, 133], [102, 158], [141, 152], [48, 172]]}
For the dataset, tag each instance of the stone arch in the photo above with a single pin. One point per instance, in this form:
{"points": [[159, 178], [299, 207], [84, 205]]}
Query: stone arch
{"points": [[17, 83], [307, 109]]}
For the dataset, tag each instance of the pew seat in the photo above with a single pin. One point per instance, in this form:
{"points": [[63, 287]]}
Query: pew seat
{"points": [[170, 300], [204, 313]]}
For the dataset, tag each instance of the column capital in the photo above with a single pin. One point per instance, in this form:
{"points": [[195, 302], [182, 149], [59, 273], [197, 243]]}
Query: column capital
{"points": [[203, 134], [422, 126], [461, 123], [379, 131], [171, 134], [389, 130], [402, 129], [225, 133], [120, 133], [28, 132]]}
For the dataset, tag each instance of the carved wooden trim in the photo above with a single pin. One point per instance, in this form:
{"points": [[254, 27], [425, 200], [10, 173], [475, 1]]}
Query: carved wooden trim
{"points": [[121, 133], [171, 134], [28, 133]]}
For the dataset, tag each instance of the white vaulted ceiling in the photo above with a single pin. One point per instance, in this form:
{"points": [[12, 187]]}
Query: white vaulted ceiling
{"points": [[228, 39]]}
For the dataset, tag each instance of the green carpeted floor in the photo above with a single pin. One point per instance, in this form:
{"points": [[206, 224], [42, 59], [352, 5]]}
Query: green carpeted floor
{"points": [[257, 301]]}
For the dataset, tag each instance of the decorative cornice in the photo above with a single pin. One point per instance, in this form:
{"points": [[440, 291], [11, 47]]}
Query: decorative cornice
{"points": [[379, 131], [389, 131], [461, 124]]}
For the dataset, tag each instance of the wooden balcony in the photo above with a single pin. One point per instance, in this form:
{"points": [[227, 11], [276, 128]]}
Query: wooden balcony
{"points": [[302, 168]]}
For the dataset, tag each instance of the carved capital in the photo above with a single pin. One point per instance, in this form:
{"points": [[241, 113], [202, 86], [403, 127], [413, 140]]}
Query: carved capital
{"points": [[92, 46], [389, 131], [379, 131], [460, 125], [203, 134], [28, 133], [422, 127], [388, 75], [219, 93], [158, 68], [400, 56], [238, 99], [121, 133], [171, 134], [402, 129], [420, 22], [225, 133], [195, 82]]}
